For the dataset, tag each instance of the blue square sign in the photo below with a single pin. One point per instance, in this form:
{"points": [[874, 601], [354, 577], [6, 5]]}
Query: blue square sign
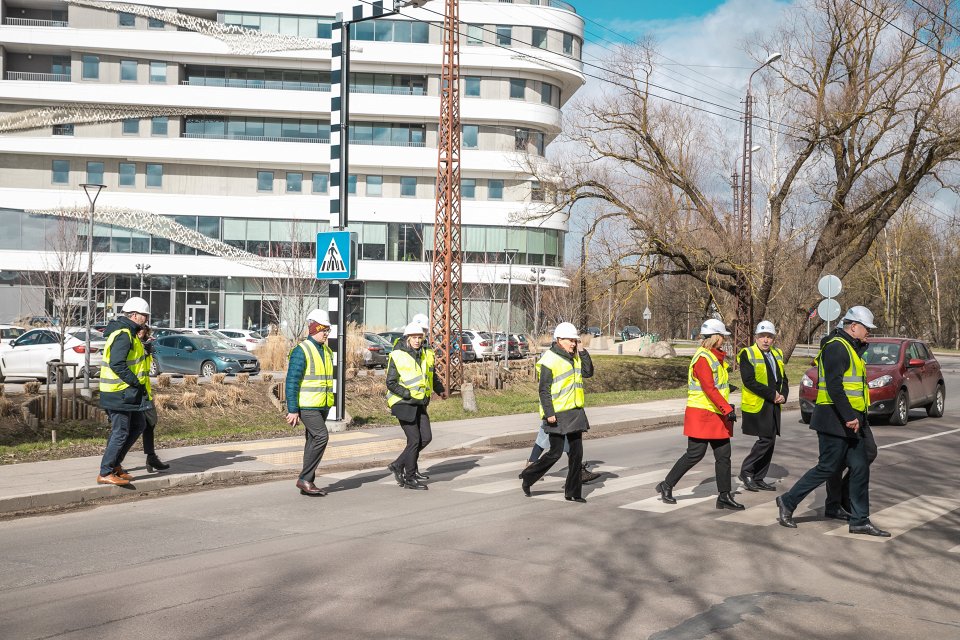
{"points": [[336, 255]]}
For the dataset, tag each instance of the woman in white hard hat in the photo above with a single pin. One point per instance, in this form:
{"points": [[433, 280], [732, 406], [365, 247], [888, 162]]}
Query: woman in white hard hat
{"points": [[410, 383], [560, 371], [709, 418]]}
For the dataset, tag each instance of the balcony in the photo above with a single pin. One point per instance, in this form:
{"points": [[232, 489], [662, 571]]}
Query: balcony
{"points": [[218, 136], [37, 77], [555, 4], [30, 22], [257, 84]]}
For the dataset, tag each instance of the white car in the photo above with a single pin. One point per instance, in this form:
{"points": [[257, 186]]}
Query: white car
{"points": [[8, 332], [214, 333], [482, 343], [249, 339], [27, 355]]}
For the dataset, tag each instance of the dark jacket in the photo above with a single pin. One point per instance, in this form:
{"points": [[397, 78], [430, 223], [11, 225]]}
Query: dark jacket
{"points": [[296, 369], [567, 421], [766, 422], [830, 418], [406, 410], [133, 397]]}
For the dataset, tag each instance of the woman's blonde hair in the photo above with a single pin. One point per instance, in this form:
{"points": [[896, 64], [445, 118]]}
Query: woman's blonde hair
{"points": [[711, 342]]}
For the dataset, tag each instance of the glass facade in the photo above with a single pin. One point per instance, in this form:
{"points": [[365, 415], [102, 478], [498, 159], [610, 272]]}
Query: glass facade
{"points": [[382, 30], [255, 78], [266, 129], [287, 25]]}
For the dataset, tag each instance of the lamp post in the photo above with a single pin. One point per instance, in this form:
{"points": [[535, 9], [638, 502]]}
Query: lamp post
{"points": [[93, 192], [538, 277], [142, 268], [510, 254]]}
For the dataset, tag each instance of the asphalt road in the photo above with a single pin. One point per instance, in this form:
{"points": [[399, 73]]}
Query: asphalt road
{"points": [[473, 558]]}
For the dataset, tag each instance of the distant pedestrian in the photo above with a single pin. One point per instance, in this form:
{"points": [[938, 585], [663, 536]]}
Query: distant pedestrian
{"points": [[309, 392], [124, 388], [709, 417], [561, 371], [765, 389], [410, 383]]}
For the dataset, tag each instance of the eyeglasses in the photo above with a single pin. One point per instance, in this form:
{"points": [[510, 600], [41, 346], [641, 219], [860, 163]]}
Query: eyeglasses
{"points": [[326, 330]]}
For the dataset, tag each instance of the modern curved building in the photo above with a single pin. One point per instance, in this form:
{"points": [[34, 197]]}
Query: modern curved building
{"points": [[208, 123]]}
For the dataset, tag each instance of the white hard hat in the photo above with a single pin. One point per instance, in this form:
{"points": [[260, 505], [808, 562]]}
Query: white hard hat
{"points": [[765, 326], [712, 326], [319, 316], [422, 320], [413, 329], [566, 330], [860, 314], [136, 305]]}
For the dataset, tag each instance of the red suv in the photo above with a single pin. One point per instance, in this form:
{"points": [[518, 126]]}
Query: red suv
{"points": [[901, 373]]}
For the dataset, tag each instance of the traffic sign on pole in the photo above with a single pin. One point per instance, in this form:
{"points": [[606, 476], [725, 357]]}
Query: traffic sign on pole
{"points": [[336, 255], [829, 286]]}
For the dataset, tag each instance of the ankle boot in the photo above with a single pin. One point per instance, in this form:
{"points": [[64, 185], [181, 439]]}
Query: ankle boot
{"points": [[725, 501], [153, 462], [666, 493]]}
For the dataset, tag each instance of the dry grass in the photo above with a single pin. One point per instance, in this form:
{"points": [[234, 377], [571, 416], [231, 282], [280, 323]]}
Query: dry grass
{"points": [[164, 380], [6, 407], [213, 397], [31, 388], [164, 402], [243, 378], [191, 381], [218, 378], [234, 395], [274, 353], [1, 390], [356, 345], [190, 399], [266, 377]]}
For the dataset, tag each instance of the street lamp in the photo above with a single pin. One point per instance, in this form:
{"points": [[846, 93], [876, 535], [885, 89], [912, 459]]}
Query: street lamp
{"points": [[510, 254], [142, 268], [93, 192], [538, 277]]}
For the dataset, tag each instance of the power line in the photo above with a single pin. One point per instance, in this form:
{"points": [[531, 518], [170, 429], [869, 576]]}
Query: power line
{"points": [[906, 33], [943, 20]]}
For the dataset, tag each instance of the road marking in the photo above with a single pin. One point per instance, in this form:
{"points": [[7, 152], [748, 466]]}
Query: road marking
{"points": [[336, 453], [932, 435], [684, 499], [956, 549], [765, 514], [904, 516], [472, 472], [612, 485], [283, 443], [511, 485]]}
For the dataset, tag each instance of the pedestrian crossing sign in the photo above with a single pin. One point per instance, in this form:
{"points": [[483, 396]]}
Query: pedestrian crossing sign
{"points": [[336, 255]]}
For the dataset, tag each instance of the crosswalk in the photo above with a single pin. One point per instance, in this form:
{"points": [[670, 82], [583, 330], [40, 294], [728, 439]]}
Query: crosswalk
{"points": [[488, 477]]}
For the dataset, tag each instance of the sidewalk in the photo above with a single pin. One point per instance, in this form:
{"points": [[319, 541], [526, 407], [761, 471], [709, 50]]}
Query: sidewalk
{"points": [[60, 483]]}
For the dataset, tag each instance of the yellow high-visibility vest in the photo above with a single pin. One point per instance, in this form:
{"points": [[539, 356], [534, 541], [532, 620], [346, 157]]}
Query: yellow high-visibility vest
{"points": [[749, 401], [721, 379], [566, 390], [137, 360], [316, 388], [854, 379], [415, 378]]}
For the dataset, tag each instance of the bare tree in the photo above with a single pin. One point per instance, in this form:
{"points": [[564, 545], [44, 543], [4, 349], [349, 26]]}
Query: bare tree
{"points": [[292, 291]]}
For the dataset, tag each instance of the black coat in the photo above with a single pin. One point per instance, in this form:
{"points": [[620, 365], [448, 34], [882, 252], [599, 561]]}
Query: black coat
{"points": [[570, 421], [831, 418], [765, 423], [406, 410], [133, 397]]}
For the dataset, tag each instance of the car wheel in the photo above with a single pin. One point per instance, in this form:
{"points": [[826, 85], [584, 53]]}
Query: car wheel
{"points": [[805, 417], [935, 408], [208, 368], [154, 368], [901, 409]]}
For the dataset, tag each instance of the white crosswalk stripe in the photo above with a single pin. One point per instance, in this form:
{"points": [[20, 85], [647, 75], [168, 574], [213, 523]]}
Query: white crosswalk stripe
{"points": [[956, 549], [473, 472], [685, 498], [554, 479], [612, 485], [763, 515], [904, 516]]}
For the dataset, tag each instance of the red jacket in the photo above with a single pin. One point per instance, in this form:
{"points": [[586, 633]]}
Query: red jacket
{"points": [[701, 423]]}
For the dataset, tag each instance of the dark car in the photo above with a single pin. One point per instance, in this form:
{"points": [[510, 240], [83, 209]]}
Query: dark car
{"points": [[630, 332], [199, 354], [502, 346], [391, 336], [523, 344], [375, 351], [901, 373], [594, 331]]}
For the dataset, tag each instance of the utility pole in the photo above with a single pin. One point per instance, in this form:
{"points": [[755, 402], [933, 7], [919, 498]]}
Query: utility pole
{"points": [[583, 285], [93, 192], [538, 277], [142, 268]]}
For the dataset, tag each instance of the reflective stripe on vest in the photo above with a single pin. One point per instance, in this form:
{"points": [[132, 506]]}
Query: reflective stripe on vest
{"points": [[316, 387], [566, 389], [415, 378], [749, 401], [721, 379], [854, 379], [137, 360]]}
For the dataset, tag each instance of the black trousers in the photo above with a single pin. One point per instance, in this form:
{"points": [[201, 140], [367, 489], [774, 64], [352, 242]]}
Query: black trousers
{"points": [[315, 432], [418, 435], [838, 486], [836, 452], [150, 416], [757, 462], [696, 449], [573, 488]]}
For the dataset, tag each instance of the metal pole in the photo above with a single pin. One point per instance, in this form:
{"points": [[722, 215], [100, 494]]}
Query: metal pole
{"points": [[583, 284], [511, 254], [96, 188]]}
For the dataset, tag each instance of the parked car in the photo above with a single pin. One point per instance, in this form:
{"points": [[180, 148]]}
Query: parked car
{"points": [[594, 331], [501, 346], [8, 332], [630, 332], [467, 352], [249, 340], [902, 373], [375, 352], [184, 353], [26, 356], [165, 331], [208, 332], [482, 343], [391, 336], [523, 343]]}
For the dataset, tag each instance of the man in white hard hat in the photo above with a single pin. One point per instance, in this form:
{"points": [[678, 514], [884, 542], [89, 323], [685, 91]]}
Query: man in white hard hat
{"points": [[765, 389], [124, 388], [840, 420], [309, 393]]}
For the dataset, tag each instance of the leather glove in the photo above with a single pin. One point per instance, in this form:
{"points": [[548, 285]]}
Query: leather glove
{"points": [[731, 417]]}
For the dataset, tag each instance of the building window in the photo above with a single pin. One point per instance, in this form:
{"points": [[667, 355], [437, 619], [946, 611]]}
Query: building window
{"points": [[90, 69], [94, 173], [352, 184], [520, 139], [474, 34], [518, 89], [408, 187], [536, 191], [495, 189], [471, 135], [128, 71], [60, 65], [539, 39], [126, 19], [127, 174], [568, 44], [546, 93], [158, 125], [61, 172], [154, 175], [504, 32], [472, 87], [158, 72], [131, 126], [63, 129], [468, 188], [265, 181], [374, 186], [321, 182], [294, 182], [153, 23]]}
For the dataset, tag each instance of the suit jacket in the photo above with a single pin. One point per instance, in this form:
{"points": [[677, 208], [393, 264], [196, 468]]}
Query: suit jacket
{"points": [[831, 418], [766, 423]]}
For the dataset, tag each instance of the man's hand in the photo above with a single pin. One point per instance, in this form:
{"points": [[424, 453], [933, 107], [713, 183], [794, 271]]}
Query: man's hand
{"points": [[779, 399], [853, 424], [293, 419], [552, 420]]}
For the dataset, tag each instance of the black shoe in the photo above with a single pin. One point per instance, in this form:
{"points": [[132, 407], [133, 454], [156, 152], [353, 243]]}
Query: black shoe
{"points": [[869, 530], [785, 516], [420, 476], [153, 462], [526, 487], [397, 473], [307, 488], [726, 501], [412, 483], [837, 514], [576, 499], [587, 476], [666, 493], [764, 485], [748, 483]]}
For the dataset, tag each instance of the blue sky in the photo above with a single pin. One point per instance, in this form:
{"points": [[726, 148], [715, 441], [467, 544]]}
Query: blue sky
{"points": [[607, 12]]}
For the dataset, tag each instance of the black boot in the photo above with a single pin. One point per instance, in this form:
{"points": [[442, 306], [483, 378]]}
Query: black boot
{"points": [[409, 482], [153, 462], [666, 493], [725, 501]]}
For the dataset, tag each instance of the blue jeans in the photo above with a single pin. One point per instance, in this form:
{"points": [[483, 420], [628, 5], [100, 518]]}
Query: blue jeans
{"points": [[125, 428]]}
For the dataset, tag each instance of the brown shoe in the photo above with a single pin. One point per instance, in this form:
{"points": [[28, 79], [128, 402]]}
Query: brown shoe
{"points": [[307, 488], [112, 479], [120, 473]]}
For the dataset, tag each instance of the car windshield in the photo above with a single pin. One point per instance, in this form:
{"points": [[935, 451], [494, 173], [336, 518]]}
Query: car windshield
{"points": [[11, 333], [212, 344], [255, 335], [82, 335], [882, 353]]}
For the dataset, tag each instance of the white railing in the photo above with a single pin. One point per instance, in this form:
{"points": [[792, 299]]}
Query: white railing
{"points": [[38, 77], [282, 85], [393, 91], [29, 22], [214, 136], [388, 143]]}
